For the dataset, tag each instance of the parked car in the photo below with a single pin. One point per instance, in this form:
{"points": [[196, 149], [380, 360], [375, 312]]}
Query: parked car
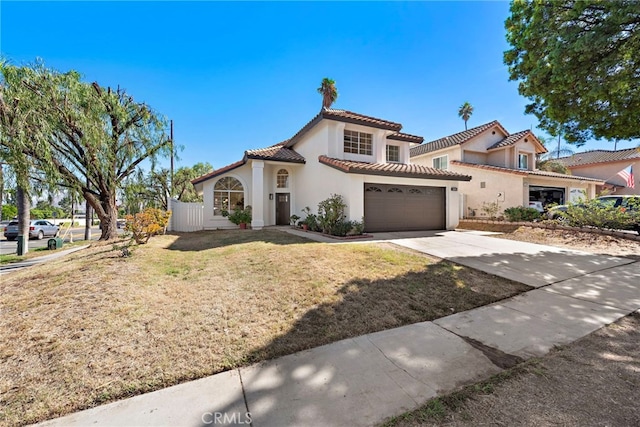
{"points": [[38, 229], [537, 206]]}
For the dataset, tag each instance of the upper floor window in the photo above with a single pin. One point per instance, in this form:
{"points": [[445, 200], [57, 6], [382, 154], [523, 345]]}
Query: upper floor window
{"points": [[228, 195], [441, 162], [523, 161], [282, 179], [393, 153], [358, 142]]}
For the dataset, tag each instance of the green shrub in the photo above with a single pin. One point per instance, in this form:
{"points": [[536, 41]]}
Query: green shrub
{"points": [[9, 211], [491, 209], [240, 216], [331, 216], [520, 213], [594, 213]]}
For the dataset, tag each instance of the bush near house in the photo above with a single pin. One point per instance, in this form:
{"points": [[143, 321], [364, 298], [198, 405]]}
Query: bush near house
{"points": [[147, 223], [521, 213], [594, 213], [331, 218]]}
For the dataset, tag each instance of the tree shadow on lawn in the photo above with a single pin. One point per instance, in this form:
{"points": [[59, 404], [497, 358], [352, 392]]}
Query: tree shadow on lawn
{"points": [[364, 306], [210, 239]]}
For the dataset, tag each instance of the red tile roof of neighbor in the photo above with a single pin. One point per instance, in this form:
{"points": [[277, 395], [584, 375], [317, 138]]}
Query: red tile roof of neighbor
{"points": [[455, 139], [526, 172], [600, 156], [391, 169]]}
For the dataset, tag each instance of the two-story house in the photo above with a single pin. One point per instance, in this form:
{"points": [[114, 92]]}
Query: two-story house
{"points": [[362, 158], [503, 167], [606, 165]]}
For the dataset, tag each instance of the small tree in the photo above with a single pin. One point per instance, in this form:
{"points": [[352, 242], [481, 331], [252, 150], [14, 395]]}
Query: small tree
{"points": [[148, 223]]}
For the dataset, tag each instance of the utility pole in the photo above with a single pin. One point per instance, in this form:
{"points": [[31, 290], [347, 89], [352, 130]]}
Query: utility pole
{"points": [[171, 183], [87, 218]]}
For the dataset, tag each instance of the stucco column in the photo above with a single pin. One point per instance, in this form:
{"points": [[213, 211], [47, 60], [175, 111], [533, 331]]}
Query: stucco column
{"points": [[257, 194]]}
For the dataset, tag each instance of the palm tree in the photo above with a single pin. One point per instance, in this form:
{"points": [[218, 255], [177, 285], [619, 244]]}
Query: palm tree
{"points": [[465, 111], [328, 91]]}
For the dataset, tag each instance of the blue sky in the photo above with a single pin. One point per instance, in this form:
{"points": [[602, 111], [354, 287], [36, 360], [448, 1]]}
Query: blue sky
{"points": [[236, 76]]}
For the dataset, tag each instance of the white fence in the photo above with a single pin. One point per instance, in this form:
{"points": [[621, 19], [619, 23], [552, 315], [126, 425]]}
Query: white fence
{"points": [[186, 217]]}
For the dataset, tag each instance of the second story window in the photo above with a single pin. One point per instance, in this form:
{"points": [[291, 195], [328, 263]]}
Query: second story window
{"points": [[393, 153], [523, 161], [441, 162], [358, 142]]}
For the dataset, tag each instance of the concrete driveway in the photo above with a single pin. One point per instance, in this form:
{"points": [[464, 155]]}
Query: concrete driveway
{"points": [[529, 263]]}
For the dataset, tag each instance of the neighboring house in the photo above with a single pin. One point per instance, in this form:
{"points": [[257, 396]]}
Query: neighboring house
{"points": [[503, 167], [605, 165], [362, 158]]}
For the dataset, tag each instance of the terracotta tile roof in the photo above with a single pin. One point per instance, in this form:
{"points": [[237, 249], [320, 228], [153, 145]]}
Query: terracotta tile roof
{"points": [[399, 136], [276, 152], [346, 117], [513, 138], [218, 172], [391, 169], [455, 139], [600, 156], [526, 172]]}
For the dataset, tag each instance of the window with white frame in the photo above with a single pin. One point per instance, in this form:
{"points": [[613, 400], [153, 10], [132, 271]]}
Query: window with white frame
{"points": [[441, 162], [358, 142], [228, 195], [393, 153], [282, 179], [523, 161]]}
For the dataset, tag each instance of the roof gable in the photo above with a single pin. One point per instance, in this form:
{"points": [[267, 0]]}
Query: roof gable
{"points": [[455, 139], [345, 117], [515, 137]]}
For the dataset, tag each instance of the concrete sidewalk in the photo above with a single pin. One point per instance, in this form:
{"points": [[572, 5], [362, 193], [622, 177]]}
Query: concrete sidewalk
{"points": [[7, 268], [362, 381]]}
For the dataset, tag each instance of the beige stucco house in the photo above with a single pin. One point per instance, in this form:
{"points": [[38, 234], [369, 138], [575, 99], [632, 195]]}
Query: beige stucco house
{"points": [[503, 167], [605, 165], [363, 158]]}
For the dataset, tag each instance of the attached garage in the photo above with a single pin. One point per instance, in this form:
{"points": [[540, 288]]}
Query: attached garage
{"points": [[404, 207]]}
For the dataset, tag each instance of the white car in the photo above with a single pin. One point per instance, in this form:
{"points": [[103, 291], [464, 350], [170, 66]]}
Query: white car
{"points": [[537, 206]]}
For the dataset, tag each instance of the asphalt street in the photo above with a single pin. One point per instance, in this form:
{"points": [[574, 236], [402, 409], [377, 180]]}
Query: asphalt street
{"points": [[7, 247]]}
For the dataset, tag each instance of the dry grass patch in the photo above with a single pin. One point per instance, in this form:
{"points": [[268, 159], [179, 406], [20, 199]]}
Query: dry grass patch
{"points": [[95, 327]]}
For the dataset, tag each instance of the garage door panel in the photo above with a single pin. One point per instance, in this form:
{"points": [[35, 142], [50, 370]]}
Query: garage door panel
{"points": [[403, 208]]}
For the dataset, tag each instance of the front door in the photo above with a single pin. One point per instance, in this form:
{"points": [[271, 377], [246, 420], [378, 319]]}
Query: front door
{"points": [[283, 208]]}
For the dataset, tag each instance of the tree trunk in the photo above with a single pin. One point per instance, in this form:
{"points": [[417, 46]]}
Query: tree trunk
{"points": [[24, 217], [107, 212]]}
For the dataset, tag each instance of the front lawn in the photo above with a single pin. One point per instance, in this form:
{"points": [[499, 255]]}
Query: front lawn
{"points": [[95, 327]]}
